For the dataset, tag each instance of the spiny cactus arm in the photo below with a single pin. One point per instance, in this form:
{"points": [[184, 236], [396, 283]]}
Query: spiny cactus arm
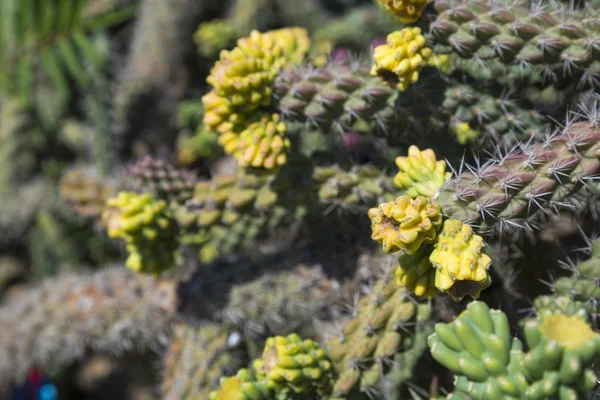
{"points": [[278, 303], [53, 324], [196, 359], [159, 177], [479, 117], [334, 96], [510, 190], [382, 326], [559, 44]]}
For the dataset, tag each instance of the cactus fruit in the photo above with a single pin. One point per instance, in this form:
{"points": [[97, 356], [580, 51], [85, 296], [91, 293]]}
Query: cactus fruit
{"points": [[381, 327], [480, 117], [402, 58], [242, 386], [57, 322], [556, 42], [562, 351], [420, 173], [243, 78], [263, 144], [405, 224], [415, 272], [148, 227], [213, 36], [196, 359], [509, 191], [150, 175], [461, 266], [85, 194], [335, 95], [407, 11], [295, 365]]}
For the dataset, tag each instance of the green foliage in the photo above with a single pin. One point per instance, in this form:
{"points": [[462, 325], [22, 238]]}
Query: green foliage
{"points": [[49, 37]]}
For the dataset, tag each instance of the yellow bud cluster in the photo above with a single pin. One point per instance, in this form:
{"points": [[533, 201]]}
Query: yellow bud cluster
{"points": [[402, 58], [292, 364], [148, 227], [464, 133], [406, 223], [407, 11], [420, 173], [243, 78], [263, 143], [462, 267]]}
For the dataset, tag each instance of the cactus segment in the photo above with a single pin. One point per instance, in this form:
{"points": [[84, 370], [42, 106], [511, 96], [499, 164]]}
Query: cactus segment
{"points": [[213, 36], [461, 266], [150, 175], [509, 191], [380, 329], [478, 348], [407, 11], [334, 95], [420, 173], [292, 364], [405, 224], [148, 227], [417, 273], [402, 58], [555, 42]]}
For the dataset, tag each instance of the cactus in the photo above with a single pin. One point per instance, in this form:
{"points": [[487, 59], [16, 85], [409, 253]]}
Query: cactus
{"points": [[337, 96], [477, 347], [148, 227], [160, 178], [295, 365], [379, 330], [280, 302], [201, 355], [510, 190], [557, 43], [113, 310], [480, 117]]}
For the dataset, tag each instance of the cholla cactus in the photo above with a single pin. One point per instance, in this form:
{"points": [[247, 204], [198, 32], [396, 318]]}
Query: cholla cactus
{"points": [[148, 227], [263, 143]]}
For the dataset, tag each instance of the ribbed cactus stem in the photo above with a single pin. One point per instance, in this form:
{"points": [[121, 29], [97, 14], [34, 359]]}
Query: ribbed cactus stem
{"points": [[557, 42], [512, 189]]}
